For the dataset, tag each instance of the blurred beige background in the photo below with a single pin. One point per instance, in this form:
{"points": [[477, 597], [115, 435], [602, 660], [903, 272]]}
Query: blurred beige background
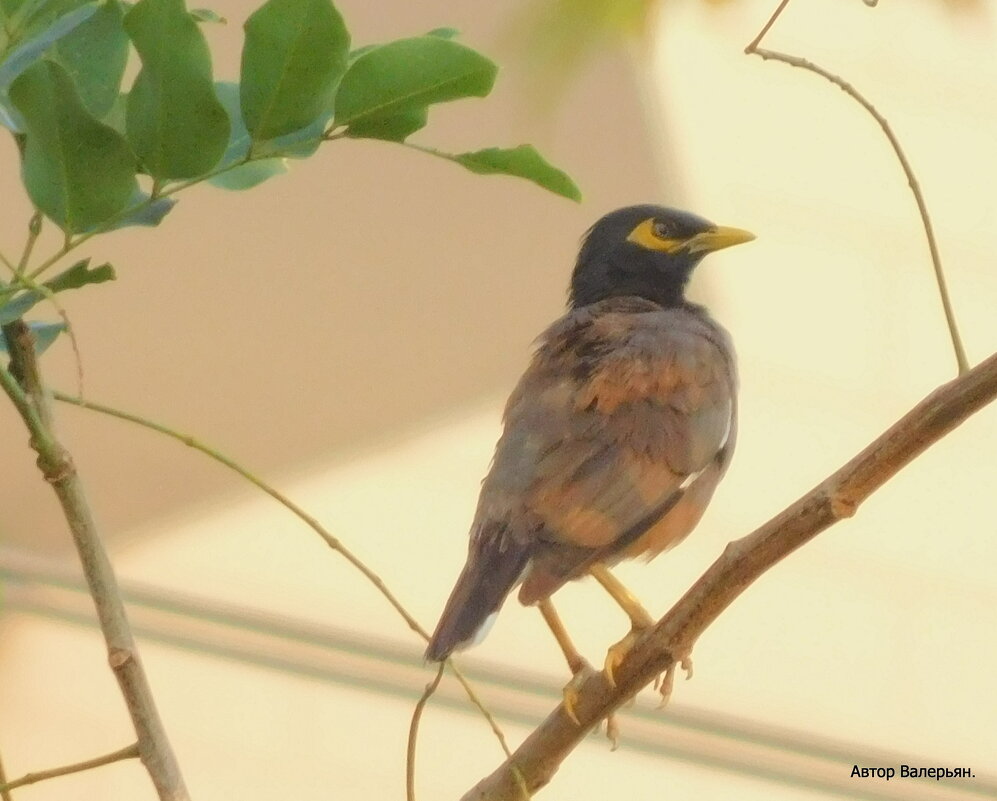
{"points": [[350, 330]]}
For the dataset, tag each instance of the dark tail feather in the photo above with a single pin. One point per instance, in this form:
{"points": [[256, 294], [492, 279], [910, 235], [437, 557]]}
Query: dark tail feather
{"points": [[493, 567]]}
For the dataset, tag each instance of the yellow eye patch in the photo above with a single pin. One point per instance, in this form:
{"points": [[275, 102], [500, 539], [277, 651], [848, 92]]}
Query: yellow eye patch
{"points": [[644, 236]]}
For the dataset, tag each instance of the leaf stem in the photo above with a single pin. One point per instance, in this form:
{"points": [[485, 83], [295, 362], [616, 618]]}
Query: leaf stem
{"points": [[129, 752]]}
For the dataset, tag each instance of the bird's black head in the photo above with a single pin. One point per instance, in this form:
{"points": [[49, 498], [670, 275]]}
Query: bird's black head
{"points": [[645, 251]]}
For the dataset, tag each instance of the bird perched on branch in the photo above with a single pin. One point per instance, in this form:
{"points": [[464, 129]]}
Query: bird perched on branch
{"points": [[615, 437]]}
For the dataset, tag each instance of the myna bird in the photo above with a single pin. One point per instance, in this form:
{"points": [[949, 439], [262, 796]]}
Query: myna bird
{"points": [[615, 437]]}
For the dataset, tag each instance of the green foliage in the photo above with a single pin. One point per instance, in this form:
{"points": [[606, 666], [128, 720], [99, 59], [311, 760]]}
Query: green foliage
{"points": [[292, 62], [94, 54], [27, 41], [79, 275], [391, 128], [175, 123], [87, 141], [29, 51], [407, 76], [144, 210], [250, 174], [207, 15], [78, 171], [523, 161]]}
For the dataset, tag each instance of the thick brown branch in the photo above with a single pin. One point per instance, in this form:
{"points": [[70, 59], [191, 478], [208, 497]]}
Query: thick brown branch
{"points": [[741, 563], [130, 752], [23, 385]]}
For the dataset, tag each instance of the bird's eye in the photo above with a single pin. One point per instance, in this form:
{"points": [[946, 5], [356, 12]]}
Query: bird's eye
{"points": [[662, 230]]}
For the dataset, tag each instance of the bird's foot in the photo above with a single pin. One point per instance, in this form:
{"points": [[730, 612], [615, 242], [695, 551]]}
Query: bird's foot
{"points": [[581, 671], [617, 653], [613, 732], [665, 683]]}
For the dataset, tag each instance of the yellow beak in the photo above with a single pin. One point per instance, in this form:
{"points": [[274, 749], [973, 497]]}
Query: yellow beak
{"points": [[718, 238]]}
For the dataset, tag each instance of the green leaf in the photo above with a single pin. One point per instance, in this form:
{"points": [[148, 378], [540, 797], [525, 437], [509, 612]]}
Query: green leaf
{"points": [[26, 18], [30, 51], [15, 308], [393, 128], [79, 275], [292, 62], [145, 214], [403, 76], [175, 123], [45, 335], [9, 118], [238, 140], [522, 162], [298, 144], [207, 15], [440, 33], [444, 33], [250, 174], [78, 171], [116, 116], [94, 54]]}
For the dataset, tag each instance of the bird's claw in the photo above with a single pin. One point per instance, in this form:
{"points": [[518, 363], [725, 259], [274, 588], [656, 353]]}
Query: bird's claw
{"points": [[686, 664], [617, 653], [613, 732], [572, 688], [667, 681], [665, 686]]}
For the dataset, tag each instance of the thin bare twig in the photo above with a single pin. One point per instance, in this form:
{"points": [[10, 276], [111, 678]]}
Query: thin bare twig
{"points": [[130, 752], [742, 562], [4, 791], [413, 732], [915, 188], [333, 542], [23, 384], [766, 27]]}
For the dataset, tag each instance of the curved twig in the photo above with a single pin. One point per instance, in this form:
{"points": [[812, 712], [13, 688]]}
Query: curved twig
{"points": [[922, 207], [413, 732], [332, 541], [741, 563]]}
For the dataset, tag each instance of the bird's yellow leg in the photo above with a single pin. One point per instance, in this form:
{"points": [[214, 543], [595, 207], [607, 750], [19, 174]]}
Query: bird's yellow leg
{"points": [[577, 664], [640, 618]]}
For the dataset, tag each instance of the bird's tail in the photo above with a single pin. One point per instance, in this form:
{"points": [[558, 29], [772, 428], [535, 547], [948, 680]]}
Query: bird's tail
{"points": [[494, 566]]}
